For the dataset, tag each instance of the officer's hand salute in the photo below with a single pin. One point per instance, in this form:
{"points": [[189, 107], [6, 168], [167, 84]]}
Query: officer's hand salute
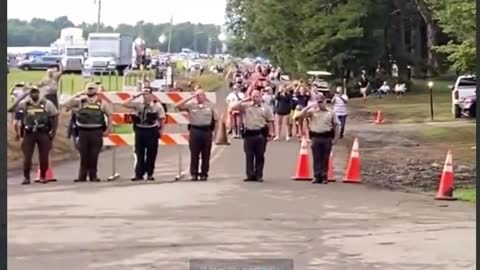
{"points": [[148, 122], [258, 127], [325, 130], [93, 122], [38, 127], [202, 126]]}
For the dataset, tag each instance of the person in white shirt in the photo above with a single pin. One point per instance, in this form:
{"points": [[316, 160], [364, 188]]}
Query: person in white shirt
{"points": [[268, 98], [340, 101], [236, 121], [400, 89], [383, 90]]}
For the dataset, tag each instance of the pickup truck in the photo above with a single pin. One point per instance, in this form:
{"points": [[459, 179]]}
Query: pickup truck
{"points": [[464, 96]]}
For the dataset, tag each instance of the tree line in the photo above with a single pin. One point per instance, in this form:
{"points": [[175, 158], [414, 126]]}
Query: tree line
{"points": [[424, 37], [40, 32]]}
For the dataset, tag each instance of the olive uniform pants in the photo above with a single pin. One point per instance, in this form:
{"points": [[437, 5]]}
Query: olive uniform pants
{"points": [[44, 143], [254, 147], [90, 143], [321, 148]]}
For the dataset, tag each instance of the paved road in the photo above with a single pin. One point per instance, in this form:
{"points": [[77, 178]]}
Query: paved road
{"points": [[161, 225]]}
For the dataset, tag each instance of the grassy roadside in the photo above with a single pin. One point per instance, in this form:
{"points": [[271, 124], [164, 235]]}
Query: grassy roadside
{"points": [[466, 194], [414, 107]]}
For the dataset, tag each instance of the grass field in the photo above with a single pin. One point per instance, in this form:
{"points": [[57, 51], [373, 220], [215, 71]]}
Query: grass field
{"points": [[414, 107], [466, 194], [71, 84]]}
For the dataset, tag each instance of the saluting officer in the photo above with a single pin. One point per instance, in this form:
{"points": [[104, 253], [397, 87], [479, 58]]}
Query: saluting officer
{"points": [[148, 124], [93, 123], [201, 128], [258, 122], [324, 133], [39, 126]]}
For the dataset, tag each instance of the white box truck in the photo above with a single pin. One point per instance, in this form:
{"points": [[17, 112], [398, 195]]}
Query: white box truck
{"points": [[108, 52]]}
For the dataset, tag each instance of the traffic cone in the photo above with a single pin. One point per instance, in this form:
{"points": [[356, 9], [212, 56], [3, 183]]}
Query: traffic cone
{"points": [[303, 164], [379, 119], [49, 176], [445, 189], [352, 175], [221, 135], [330, 174]]}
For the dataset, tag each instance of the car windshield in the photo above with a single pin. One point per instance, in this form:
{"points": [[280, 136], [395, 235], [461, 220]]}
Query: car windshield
{"points": [[467, 82], [76, 51], [101, 54]]}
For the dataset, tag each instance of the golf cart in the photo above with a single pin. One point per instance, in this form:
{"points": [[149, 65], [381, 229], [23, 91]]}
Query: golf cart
{"points": [[317, 79]]}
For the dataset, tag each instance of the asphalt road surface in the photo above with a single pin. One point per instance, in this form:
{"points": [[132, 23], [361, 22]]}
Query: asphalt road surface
{"points": [[162, 225]]}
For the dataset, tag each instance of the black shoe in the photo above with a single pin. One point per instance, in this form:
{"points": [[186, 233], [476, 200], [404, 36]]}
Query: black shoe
{"points": [[317, 181], [136, 179], [96, 180], [151, 178], [79, 180], [249, 179], [194, 178], [26, 182], [203, 178]]}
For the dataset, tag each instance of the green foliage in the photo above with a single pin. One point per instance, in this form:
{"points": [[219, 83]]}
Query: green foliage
{"points": [[458, 19], [41, 32], [345, 36]]}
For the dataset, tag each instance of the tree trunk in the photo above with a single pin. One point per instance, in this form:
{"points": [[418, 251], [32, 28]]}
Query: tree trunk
{"points": [[431, 35]]}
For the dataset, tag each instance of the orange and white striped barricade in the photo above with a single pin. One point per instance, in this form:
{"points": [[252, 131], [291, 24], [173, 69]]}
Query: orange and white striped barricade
{"points": [[172, 118]]}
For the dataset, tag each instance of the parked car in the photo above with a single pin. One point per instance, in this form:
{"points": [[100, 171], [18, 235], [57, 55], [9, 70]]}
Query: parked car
{"points": [[40, 63], [462, 92], [468, 106], [318, 80]]}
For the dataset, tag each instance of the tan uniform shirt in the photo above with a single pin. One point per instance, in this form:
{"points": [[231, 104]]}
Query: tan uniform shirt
{"points": [[201, 114], [49, 106], [154, 107], [256, 116], [322, 120]]}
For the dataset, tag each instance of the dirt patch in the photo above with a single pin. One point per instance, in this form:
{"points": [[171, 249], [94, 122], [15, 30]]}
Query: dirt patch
{"points": [[62, 146], [400, 157]]}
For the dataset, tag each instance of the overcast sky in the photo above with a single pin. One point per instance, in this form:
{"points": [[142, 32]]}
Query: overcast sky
{"points": [[115, 12]]}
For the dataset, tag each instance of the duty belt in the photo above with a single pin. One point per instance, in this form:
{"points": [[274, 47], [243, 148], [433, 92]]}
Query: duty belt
{"points": [[326, 134], [203, 128]]}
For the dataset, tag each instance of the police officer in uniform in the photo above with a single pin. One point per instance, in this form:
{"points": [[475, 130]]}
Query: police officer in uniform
{"points": [[258, 123], [93, 123], [148, 124], [324, 133], [39, 127], [202, 126]]}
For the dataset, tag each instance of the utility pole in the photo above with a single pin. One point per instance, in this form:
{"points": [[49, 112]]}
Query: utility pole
{"points": [[170, 34], [99, 11], [195, 38], [209, 44]]}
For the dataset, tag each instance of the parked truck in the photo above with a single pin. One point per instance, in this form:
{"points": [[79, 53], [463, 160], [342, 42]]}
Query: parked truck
{"points": [[108, 52]]}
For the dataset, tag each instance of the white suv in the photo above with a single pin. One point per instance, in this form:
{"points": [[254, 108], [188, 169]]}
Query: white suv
{"points": [[465, 87]]}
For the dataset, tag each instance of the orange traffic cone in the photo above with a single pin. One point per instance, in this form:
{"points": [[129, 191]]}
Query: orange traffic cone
{"points": [[352, 175], [445, 189], [379, 118], [221, 135], [49, 177], [303, 164], [330, 174]]}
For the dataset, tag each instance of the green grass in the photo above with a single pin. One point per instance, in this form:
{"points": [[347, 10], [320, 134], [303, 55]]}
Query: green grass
{"points": [[72, 83], [414, 106], [459, 135], [466, 194]]}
